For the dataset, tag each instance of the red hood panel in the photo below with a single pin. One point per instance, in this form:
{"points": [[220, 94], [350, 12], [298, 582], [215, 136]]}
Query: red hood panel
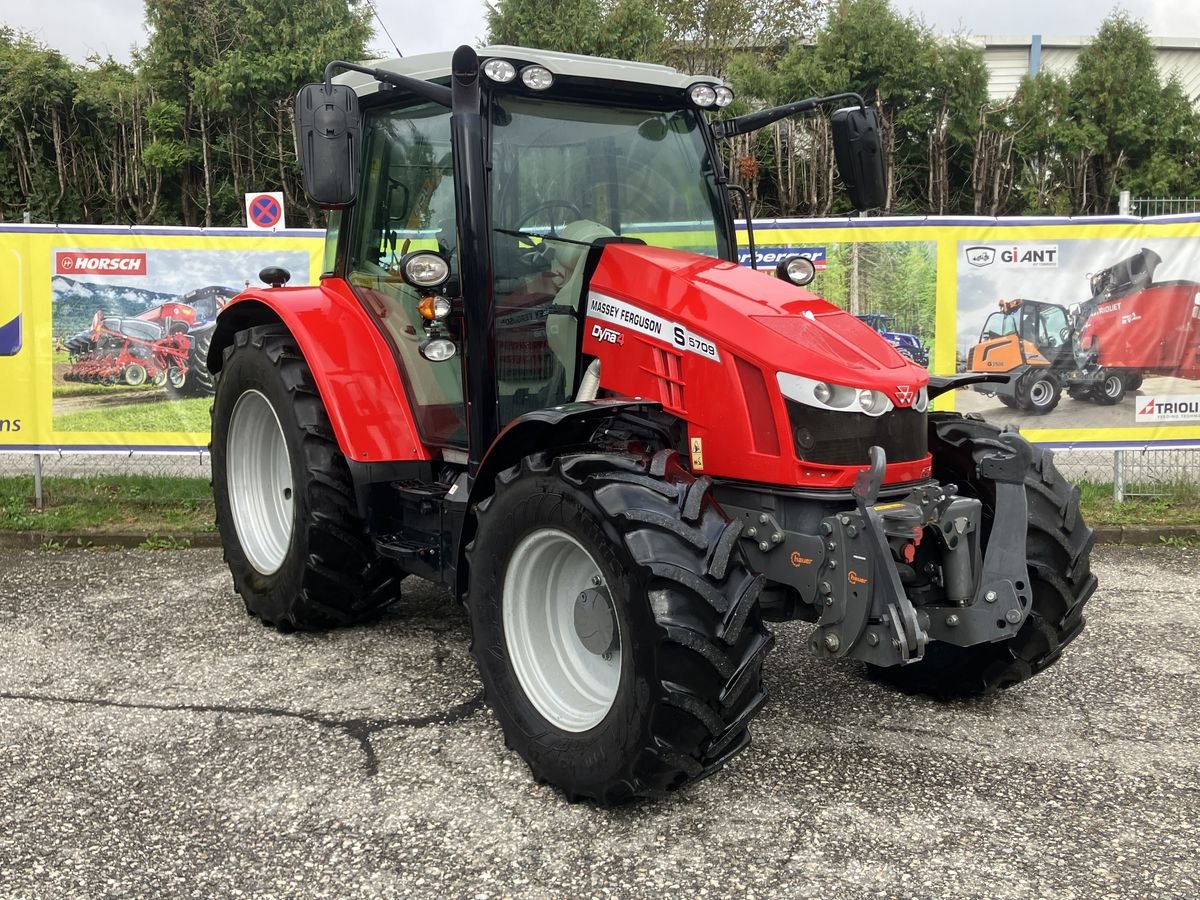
{"points": [[760, 318]]}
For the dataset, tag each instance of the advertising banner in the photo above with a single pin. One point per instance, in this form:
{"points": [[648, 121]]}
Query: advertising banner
{"points": [[1096, 322], [104, 332]]}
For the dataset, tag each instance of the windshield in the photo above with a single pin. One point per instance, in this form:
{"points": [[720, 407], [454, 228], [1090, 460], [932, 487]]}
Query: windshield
{"points": [[629, 172]]}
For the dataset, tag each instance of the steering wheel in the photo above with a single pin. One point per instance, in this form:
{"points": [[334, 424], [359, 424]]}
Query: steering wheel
{"points": [[576, 212]]}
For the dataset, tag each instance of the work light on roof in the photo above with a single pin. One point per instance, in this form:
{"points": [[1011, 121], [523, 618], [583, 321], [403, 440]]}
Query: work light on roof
{"points": [[500, 70], [724, 95], [702, 95], [536, 78]]}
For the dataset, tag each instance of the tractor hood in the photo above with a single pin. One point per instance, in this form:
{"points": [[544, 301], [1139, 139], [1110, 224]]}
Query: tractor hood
{"points": [[775, 385], [716, 308]]}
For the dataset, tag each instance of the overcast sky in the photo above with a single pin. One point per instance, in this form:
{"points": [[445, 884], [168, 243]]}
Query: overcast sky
{"points": [[82, 27]]}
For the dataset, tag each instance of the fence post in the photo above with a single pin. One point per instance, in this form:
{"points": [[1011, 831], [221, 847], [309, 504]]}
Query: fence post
{"points": [[1124, 203], [39, 500], [1118, 476]]}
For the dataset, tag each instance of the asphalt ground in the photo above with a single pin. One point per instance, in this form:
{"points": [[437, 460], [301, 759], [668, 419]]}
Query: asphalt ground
{"points": [[157, 742]]}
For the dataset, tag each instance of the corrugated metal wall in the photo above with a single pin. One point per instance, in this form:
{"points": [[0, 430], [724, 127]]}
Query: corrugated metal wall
{"points": [[1008, 59]]}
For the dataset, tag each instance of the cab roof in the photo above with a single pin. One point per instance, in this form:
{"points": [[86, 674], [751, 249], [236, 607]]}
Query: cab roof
{"points": [[436, 67]]}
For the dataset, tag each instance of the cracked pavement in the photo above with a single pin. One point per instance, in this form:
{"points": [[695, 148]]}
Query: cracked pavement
{"points": [[157, 742]]}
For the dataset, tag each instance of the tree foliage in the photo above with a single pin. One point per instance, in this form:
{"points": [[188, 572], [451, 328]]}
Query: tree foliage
{"points": [[202, 115]]}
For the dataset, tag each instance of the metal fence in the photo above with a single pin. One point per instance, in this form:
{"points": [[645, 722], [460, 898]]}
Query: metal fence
{"points": [[1162, 206], [1132, 473]]}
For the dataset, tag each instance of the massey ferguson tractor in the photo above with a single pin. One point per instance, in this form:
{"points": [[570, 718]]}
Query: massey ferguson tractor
{"points": [[535, 372]]}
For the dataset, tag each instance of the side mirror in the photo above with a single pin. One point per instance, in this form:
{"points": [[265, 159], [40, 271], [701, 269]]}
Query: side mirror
{"points": [[859, 153], [329, 137]]}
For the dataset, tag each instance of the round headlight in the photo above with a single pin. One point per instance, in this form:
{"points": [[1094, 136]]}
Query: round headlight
{"points": [[536, 78], [702, 94], [437, 349], [424, 269], [872, 402], [823, 392], [799, 270], [724, 95], [500, 70]]}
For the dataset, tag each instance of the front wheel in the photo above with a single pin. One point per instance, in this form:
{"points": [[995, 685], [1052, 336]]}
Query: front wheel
{"points": [[1039, 392], [615, 625], [1058, 551], [298, 550]]}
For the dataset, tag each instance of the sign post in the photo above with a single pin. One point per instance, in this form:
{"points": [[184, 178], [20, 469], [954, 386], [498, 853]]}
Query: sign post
{"points": [[264, 211]]}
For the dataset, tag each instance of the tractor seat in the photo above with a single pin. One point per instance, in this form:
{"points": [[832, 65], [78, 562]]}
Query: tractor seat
{"points": [[568, 264]]}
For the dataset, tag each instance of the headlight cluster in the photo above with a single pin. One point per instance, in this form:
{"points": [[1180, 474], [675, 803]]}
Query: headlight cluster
{"points": [[838, 397], [536, 78], [706, 95]]}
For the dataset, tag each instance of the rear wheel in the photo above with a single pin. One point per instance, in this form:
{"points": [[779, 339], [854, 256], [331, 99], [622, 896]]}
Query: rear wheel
{"points": [[1080, 392], [1133, 380], [616, 628], [1111, 390], [1058, 553], [299, 553]]}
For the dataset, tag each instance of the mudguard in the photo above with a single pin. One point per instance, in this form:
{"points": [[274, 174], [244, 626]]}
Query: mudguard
{"points": [[354, 368]]}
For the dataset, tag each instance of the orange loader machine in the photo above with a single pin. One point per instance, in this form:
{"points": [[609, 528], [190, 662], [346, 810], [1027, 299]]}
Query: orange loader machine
{"points": [[533, 371]]}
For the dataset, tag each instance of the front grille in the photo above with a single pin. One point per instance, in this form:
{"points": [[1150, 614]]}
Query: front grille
{"points": [[842, 438]]}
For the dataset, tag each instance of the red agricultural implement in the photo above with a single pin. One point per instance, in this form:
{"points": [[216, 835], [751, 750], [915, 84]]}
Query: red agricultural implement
{"points": [[166, 346], [624, 458]]}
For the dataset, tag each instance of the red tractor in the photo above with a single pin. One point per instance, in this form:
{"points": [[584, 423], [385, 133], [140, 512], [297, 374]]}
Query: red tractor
{"points": [[623, 456]]}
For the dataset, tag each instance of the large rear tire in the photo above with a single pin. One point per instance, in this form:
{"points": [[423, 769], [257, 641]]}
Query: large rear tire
{"points": [[300, 554], [615, 624], [1058, 552]]}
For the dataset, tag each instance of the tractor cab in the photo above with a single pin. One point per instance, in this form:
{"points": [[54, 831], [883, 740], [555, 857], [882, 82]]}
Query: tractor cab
{"points": [[1023, 332]]}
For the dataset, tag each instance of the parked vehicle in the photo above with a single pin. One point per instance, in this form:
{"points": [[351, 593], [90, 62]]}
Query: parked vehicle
{"points": [[692, 449], [907, 345]]}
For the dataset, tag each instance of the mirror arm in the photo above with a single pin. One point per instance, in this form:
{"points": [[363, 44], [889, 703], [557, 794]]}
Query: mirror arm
{"points": [[435, 93], [756, 120]]}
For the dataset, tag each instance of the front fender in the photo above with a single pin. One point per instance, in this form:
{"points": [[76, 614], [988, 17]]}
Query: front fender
{"points": [[355, 370]]}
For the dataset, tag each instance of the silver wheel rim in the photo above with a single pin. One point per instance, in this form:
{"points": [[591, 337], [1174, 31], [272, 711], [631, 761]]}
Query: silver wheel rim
{"points": [[135, 375], [1112, 386], [260, 482], [1040, 393], [570, 685], [175, 376]]}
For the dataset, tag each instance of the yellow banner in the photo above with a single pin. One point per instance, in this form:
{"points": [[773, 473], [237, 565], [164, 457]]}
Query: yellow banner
{"points": [[103, 331]]}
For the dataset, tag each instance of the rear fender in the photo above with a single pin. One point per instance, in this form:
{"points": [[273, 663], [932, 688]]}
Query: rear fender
{"points": [[356, 373]]}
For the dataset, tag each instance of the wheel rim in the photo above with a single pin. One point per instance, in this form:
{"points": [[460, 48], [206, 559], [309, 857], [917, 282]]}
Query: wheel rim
{"points": [[1113, 386], [260, 482], [176, 376], [549, 575], [135, 375], [1040, 393]]}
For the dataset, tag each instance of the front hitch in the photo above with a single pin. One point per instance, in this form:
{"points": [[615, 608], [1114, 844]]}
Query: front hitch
{"points": [[866, 613]]}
